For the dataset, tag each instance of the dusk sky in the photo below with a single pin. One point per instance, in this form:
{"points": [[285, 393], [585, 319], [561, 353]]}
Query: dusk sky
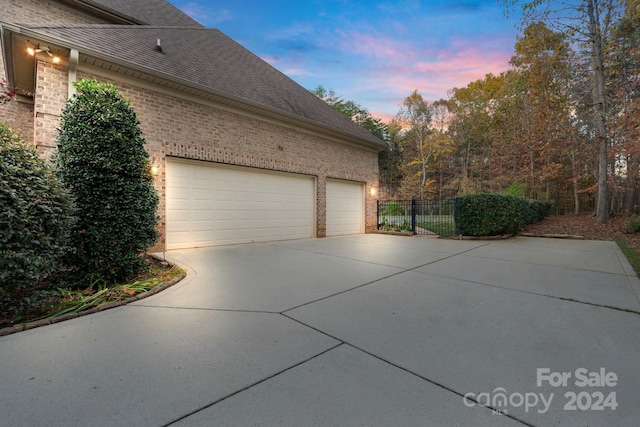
{"points": [[372, 52]]}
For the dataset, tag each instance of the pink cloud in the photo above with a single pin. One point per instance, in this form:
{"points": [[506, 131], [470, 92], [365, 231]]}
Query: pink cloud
{"points": [[433, 80], [374, 46], [378, 71]]}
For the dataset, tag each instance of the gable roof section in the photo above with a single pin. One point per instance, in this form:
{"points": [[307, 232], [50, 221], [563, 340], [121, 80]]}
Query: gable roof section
{"points": [[208, 60], [142, 12]]}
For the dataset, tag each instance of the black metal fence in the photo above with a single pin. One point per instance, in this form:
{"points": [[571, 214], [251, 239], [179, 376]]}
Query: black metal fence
{"points": [[426, 217]]}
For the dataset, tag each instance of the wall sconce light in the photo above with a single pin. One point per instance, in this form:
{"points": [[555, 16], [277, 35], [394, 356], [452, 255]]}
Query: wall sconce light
{"points": [[373, 191], [155, 169], [33, 51]]}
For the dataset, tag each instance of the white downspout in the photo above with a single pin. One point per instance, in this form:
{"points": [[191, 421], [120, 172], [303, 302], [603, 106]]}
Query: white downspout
{"points": [[73, 66]]}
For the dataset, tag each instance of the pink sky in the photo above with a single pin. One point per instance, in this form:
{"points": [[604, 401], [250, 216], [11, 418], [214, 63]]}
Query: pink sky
{"points": [[374, 53]]}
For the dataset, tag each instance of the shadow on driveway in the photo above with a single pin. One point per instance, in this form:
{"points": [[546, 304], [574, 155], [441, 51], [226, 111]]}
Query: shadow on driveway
{"points": [[353, 330]]}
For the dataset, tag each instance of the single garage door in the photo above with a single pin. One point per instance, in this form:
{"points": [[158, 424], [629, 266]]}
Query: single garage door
{"points": [[211, 204], [345, 207]]}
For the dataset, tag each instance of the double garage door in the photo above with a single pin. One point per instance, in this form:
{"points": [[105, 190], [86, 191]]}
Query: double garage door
{"points": [[211, 204]]}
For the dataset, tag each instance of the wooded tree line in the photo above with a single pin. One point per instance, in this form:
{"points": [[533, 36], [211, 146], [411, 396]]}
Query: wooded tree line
{"points": [[567, 110]]}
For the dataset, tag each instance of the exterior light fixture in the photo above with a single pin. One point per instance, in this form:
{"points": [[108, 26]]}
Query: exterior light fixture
{"points": [[155, 169], [33, 51], [373, 191]]}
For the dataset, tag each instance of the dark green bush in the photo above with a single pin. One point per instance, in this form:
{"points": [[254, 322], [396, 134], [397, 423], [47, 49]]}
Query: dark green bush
{"points": [[393, 208], [35, 217], [633, 224], [102, 159], [540, 209], [490, 214]]}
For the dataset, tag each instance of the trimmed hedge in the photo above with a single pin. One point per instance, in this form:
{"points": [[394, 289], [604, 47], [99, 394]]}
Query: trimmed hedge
{"points": [[491, 214], [102, 160], [36, 213]]}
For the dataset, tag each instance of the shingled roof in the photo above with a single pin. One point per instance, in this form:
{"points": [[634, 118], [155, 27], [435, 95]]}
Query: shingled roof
{"points": [[204, 59], [141, 12]]}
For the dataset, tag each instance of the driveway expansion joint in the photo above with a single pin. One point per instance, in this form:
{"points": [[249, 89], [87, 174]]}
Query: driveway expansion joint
{"points": [[522, 291], [207, 406], [417, 375], [402, 271]]}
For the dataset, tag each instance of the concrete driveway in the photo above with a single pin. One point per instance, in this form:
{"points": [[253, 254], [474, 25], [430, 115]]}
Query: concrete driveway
{"points": [[356, 330]]}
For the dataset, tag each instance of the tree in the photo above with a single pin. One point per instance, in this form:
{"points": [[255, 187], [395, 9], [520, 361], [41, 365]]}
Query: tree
{"points": [[587, 22], [37, 212], [424, 143], [354, 111], [389, 159], [543, 57], [102, 159], [471, 129], [415, 117], [624, 91]]}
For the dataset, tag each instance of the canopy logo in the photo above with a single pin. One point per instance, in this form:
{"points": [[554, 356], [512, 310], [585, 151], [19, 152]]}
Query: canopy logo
{"points": [[592, 394]]}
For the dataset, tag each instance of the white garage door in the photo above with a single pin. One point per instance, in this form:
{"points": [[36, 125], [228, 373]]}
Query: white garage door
{"points": [[209, 205], [345, 207]]}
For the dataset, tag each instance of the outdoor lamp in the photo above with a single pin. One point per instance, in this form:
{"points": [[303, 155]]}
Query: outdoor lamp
{"points": [[33, 51]]}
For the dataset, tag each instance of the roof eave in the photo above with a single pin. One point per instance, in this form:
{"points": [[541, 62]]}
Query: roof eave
{"points": [[101, 10], [236, 101]]}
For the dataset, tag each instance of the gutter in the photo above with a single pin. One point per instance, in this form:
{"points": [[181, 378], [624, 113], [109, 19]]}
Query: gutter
{"points": [[235, 100]]}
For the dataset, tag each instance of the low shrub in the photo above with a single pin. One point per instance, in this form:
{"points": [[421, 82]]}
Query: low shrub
{"points": [[35, 218], [633, 224], [540, 209], [393, 208], [490, 214]]}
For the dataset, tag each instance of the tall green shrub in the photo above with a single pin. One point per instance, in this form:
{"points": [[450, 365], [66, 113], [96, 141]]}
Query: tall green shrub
{"points": [[102, 159], [489, 214], [36, 213]]}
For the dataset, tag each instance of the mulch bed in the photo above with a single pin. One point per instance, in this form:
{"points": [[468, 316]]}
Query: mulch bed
{"points": [[585, 225]]}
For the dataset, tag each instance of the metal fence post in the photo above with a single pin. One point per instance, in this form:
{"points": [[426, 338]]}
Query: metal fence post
{"points": [[456, 216], [377, 214], [413, 216]]}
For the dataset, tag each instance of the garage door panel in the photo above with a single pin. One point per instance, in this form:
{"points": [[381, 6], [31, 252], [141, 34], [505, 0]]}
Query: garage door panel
{"points": [[210, 205], [345, 207]]}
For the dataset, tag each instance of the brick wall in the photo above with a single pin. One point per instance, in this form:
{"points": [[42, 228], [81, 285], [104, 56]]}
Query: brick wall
{"points": [[21, 116], [49, 99], [196, 129], [173, 126]]}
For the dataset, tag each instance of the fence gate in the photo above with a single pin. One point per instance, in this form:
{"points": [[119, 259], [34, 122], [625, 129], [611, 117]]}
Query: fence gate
{"points": [[439, 218]]}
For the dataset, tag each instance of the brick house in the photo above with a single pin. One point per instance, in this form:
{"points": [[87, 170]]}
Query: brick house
{"points": [[241, 153]]}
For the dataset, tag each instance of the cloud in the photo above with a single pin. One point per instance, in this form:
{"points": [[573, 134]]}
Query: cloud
{"points": [[294, 30], [379, 72], [381, 87], [465, 6], [374, 54], [468, 64], [293, 69], [206, 15], [371, 45]]}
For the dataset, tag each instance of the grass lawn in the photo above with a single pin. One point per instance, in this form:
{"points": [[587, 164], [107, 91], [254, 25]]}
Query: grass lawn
{"points": [[444, 227], [631, 253]]}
